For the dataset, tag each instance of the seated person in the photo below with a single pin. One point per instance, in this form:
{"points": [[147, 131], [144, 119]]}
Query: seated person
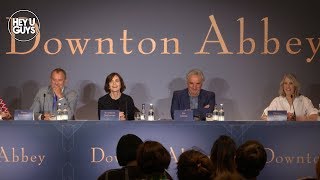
{"points": [[153, 159], [115, 99], [194, 98], [4, 113], [298, 107], [251, 158], [222, 155], [127, 158], [193, 164], [56, 95]]}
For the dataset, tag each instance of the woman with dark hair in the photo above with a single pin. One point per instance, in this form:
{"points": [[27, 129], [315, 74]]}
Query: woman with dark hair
{"points": [[222, 155], [251, 158], [127, 158], [115, 99], [298, 107], [193, 164], [153, 160]]}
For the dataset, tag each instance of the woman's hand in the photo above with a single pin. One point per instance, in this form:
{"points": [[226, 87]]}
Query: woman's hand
{"points": [[122, 116]]}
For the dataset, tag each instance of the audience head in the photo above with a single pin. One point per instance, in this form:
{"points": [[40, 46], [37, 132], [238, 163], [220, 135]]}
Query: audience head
{"points": [[222, 155], [152, 157], [229, 176], [195, 79], [127, 149], [193, 164], [289, 85], [114, 78], [251, 158]]}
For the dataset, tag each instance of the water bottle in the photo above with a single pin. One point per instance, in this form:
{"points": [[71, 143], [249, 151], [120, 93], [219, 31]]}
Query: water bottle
{"points": [[221, 113], [151, 113], [65, 114], [59, 112], [0, 113], [215, 115], [143, 112]]}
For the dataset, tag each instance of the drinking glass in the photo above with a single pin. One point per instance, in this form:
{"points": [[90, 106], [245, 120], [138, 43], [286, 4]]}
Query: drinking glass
{"points": [[137, 116], [209, 117]]}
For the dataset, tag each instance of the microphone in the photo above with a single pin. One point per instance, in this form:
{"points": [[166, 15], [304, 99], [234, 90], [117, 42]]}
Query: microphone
{"points": [[294, 111], [44, 101], [127, 111]]}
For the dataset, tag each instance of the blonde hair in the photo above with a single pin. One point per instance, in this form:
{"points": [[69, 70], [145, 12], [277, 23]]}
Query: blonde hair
{"points": [[295, 82]]}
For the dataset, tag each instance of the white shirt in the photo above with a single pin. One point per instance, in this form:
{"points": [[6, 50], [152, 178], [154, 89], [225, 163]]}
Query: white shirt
{"points": [[302, 106]]}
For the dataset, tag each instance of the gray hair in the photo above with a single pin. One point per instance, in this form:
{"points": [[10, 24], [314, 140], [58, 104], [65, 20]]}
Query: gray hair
{"points": [[195, 72]]}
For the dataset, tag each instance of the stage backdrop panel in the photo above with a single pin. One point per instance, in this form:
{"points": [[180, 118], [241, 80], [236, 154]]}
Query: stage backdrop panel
{"points": [[85, 149], [256, 43]]}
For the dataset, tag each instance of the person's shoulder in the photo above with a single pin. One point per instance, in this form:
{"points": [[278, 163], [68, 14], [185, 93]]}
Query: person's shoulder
{"points": [[103, 98], [178, 92], [303, 98], [70, 91], [112, 174], [207, 92], [279, 98], [44, 89], [123, 95]]}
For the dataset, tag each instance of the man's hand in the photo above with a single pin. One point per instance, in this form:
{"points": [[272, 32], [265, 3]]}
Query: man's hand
{"points": [[57, 91]]}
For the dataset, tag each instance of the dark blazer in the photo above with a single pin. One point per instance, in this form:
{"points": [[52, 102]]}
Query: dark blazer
{"points": [[181, 101]]}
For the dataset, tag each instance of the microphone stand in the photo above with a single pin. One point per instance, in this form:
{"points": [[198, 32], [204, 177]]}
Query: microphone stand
{"points": [[294, 111]]}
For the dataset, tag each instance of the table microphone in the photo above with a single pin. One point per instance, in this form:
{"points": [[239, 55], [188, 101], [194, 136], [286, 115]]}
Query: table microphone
{"points": [[44, 101], [294, 111]]}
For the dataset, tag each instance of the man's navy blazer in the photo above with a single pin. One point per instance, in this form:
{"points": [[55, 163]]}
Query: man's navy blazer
{"points": [[181, 101]]}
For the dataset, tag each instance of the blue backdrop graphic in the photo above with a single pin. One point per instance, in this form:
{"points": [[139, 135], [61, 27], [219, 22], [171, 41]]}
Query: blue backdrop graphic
{"points": [[82, 150]]}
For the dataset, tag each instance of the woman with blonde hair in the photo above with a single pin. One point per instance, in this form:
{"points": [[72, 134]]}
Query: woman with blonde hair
{"points": [[298, 107]]}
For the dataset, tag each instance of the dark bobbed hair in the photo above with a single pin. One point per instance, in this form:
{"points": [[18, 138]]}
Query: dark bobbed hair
{"points": [[222, 155], [127, 148], [59, 70], [193, 164], [251, 158], [109, 79], [152, 157]]}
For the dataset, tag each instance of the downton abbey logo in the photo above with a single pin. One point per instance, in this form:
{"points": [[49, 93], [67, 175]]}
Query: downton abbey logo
{"points": [[99, 155], [19, 155], [23, 25]]}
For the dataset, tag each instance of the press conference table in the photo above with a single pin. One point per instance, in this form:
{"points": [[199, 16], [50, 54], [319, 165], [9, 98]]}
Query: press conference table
{"points": [[84, 149]]}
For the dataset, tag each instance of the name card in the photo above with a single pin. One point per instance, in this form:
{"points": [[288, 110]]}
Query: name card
{"points": [[109, 115], [277, 115], [183, 115], [23, 115]]}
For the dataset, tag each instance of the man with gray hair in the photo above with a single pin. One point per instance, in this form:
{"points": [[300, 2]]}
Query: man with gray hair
{"points": [[193, 97]]}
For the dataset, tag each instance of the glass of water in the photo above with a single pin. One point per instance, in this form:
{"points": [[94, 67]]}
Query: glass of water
{"points": [[137, 116], [209, 117]]}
